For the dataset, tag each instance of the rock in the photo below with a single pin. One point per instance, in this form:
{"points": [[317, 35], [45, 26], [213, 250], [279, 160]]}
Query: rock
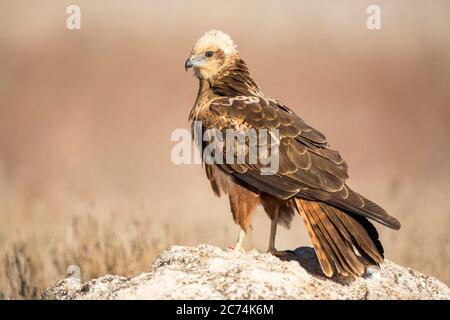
{"points": [[207, 272]]}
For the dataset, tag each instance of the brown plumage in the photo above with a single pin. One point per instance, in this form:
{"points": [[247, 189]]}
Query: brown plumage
{"points": [[311, 178]]}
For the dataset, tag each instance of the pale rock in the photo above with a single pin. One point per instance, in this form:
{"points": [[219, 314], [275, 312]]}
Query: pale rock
{"points": [[207, 272]]}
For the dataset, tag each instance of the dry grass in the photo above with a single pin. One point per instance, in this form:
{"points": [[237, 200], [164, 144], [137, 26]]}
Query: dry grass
{"points": [[97, 247]]}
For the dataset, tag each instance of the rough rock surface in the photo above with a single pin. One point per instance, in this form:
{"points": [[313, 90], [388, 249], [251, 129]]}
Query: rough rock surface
{"points": [[207, 272]]}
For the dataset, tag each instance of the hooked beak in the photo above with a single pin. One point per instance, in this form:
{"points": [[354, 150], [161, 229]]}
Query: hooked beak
{"points": [[188, 64], [194, 61]]}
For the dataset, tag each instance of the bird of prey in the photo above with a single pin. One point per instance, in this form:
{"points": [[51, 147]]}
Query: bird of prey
{"points": [[311, 177]]}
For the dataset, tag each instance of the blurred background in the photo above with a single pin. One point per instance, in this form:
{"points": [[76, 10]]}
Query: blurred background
{"points": [[86, 115]]}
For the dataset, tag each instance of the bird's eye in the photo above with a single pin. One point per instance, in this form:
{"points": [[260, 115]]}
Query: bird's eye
{"points": [[209, 54]]}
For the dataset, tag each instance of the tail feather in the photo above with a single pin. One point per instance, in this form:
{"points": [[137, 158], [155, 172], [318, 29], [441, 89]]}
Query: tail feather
{"points": [[330, 257], [322, 252], [366, 244], [343, 249], [358, 231], [356, 203], [344, 242], [371, 230], [328, 245]]}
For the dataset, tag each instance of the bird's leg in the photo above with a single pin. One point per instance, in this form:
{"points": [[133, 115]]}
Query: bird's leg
{"points": [[240, 240], [238, 246], [273, 231]]}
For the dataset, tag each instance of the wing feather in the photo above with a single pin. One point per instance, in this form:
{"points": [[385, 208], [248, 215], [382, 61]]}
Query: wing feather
{"points": [[308, 168]]}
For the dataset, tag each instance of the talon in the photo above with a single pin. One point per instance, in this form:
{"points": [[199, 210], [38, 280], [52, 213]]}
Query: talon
{"points": [[236, 248], [278, 253], [241, 250]]}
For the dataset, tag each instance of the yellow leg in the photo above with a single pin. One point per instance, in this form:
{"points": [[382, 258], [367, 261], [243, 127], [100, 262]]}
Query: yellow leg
{"points": [[273, 232], [238, 246], [240, 240]]}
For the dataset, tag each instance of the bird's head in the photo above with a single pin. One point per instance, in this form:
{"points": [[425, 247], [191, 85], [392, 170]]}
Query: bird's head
{"points": [[211, 53]]}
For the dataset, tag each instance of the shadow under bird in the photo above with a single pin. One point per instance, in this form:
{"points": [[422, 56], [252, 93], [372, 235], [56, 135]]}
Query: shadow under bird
{"points": [[311, 177]]}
